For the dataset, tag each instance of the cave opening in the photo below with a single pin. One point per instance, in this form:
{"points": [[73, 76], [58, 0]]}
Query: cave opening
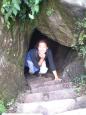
{"points": [[61, 53]]}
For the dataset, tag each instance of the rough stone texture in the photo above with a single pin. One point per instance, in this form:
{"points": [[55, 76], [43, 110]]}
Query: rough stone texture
{"points": [[81, 3], [48, 102], [74, 69], [50, 107], [46, 91], [48, 88], [74, 112], [52, 95], [13, 45], [81, 102], [11, 79], [54, 25], [68, 63], [22, 114]]}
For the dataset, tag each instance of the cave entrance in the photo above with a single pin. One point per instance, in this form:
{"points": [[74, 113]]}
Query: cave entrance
{"points": [[60, 52]]}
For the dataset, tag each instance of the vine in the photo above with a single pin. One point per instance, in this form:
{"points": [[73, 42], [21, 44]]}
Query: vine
{"points": [[13, 10], [81, 38]]}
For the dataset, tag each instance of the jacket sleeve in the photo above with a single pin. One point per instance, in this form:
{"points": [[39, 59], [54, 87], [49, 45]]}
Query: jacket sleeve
{"points": [[34, 58], [50, 60]]}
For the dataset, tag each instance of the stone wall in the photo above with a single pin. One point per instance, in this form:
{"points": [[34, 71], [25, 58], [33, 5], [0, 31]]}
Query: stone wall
{"points": [[11, 64]]}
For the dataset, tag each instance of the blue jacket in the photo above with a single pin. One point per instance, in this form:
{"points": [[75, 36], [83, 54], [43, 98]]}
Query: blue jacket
{"points": [[33, 56]]}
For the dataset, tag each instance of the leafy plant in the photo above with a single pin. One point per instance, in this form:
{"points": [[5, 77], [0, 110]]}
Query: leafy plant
{"points": [[13, 10], [79, 80], [2, 106], [81, 38], [10, 10], [80, 34], [80, 83]]}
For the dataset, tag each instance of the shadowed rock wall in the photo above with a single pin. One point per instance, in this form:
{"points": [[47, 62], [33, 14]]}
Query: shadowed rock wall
{"points": [[11, 65]]}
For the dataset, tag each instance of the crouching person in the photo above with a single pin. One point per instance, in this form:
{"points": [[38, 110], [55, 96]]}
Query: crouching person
{"points": [[35, 61]]}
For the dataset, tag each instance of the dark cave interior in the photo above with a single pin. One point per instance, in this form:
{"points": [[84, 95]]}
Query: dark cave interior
{"points": [[60, 52]]}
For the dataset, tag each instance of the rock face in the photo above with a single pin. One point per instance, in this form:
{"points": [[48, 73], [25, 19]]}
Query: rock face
{"points": [[81, 3], [55, 21], [58, 22], [11, 79], [75, 8], [48, 97]]}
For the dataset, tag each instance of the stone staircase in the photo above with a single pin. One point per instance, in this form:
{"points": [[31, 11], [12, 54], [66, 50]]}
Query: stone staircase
{"points": [[48, 97]]}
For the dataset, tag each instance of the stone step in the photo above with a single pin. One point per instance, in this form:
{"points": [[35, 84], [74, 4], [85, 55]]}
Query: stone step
{"points": [[79, 102], [47, 96], [50, 87], [37, 80], [22, 114], [47, 108], [74, 112], [51, 82]]}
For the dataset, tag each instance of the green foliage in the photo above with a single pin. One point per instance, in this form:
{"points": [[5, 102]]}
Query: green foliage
{"points": [[10, 10], [13, 10], [79, 80], [10, 103], [2, 106], [80, 34], [81, 38], [80, 83]]}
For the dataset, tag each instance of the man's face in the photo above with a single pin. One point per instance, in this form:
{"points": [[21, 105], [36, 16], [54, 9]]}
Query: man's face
{"points": [[42, 47]]}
